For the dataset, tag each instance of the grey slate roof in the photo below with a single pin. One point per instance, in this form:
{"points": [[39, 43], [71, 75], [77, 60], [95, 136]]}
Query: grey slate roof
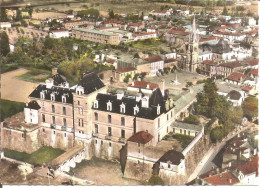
{"points": [[179, 124]]}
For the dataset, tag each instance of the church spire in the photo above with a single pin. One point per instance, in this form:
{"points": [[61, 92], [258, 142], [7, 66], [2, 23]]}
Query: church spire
{"points": [[194, 36]]}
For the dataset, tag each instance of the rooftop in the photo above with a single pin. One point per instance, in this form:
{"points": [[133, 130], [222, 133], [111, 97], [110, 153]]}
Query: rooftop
{"points": [[141, 137], [143, 85], [95, 31], [236, 76]]}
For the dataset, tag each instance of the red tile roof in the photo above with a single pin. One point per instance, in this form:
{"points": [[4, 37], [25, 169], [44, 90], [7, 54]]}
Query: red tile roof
{"points": [[143, 84], [142, 34], [225, 178], [135, 24], [236, 76], [154, 59], [254, 72], [159, 11], [253, 62], [250, 166], [141, 137], [127, 69], [210, 38], [114, 21], [177, 32], [247, 88], [228, 33], [209, 62], [110, 60], [231, 65], [169, 60], [236, 145], [253, 32]]}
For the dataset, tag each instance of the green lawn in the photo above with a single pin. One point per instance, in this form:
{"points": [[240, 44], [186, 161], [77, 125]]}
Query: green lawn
{"points": [[184, 140], [9, 108], [43, 155], [36, 75], [148, 44]]}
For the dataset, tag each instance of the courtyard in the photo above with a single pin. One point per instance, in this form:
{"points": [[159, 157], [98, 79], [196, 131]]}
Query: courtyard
{"points": [[102, 172]]}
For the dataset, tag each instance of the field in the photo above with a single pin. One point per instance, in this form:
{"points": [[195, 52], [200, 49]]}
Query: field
{"points": [[9, 108], [102, 172], [14, 89], [35, 75], [39, 157]]}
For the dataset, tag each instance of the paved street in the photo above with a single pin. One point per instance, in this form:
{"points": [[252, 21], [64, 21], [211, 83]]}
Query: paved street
{"points": [[213, 151]]}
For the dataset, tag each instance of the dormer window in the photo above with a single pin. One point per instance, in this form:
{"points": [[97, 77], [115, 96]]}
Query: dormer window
{"points": [[52, 97], [122, 108], [136, 110], [96, 104], [148, 86], [42, 95], [63, 99], [158, 109], [109, 106], [80, 90]]}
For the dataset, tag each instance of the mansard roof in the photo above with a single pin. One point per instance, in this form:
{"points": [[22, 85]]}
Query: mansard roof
{"points": [[130, 102], [59, 91], [57, 79], [33, 105], [91, 82]]}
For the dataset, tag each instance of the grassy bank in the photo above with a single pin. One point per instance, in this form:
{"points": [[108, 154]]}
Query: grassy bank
{"points": [[42, 155], [9, 108]]}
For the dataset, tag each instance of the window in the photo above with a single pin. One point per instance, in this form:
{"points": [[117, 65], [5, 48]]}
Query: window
{"points": [[96, 116], [53, 132], [185, 132], [64, 122], [96, 128], [169, 165], [139, 151], [42, 95], [96, 141], [110, 144], [101, 142], [22, 135], [63, 99], [64, 110], [96, 104], [109, 131], [167, 117], [78, 102], [65, 135], [181, 131], [189, 133], [122, 133], [53, 119], [109, 106], [138, 144], [122, 120], [122, 108], [53, 108], [43, 130], [158, 122], [43, 117], [52, 97], [42, 105], [80, 111], [109, 118]]}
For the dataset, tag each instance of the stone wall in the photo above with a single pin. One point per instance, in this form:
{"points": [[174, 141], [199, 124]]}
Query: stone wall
{"points": [[172, 178], [194, 156], [19, 140]]}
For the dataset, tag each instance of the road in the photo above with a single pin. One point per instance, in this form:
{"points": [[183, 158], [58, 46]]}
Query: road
{"points": [[213, 151]]}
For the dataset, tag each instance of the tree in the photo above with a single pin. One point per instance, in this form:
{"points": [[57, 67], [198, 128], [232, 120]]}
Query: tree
{"points": [[217, 134], [30, 11], [155, 180], [18, 15], [225, 11], [127, 77], [250, 107], [4, 41], [111, 14], [3, 15]]}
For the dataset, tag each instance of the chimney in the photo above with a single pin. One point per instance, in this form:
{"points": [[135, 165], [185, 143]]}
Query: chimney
{"points": [[148, 86], [229, 164], [54, 71], [162, 86], [230, 180], [238, 135], [255, 151], [133, 83]]}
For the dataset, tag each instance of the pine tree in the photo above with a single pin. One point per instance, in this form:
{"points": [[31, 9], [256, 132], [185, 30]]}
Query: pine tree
{"points": [[225, 11]]}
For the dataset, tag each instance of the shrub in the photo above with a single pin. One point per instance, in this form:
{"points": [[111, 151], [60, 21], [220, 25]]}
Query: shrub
{"points": [[155, 180], [192, 120], [188, 84], [217, 134]]}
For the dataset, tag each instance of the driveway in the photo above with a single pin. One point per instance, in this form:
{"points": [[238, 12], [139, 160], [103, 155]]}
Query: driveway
{"points": [[14, 89]]}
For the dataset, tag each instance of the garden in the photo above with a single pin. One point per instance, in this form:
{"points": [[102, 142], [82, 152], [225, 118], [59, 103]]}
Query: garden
{"points": [[42, 156]]}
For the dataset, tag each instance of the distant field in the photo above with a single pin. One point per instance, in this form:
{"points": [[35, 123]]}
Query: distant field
{"points": [[148, 44], [9, 108], [42, 155]]}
